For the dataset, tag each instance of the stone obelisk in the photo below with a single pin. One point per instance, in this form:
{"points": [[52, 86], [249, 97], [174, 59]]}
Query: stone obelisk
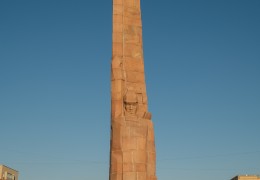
{"points": [[132, 149]]}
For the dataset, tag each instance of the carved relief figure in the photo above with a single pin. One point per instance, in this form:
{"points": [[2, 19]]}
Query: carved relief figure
{"points": [[132, 150], [130, 103]]}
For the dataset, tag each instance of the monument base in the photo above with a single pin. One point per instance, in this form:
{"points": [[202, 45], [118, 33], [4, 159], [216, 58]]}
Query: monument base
{"points": [[133, 149]]}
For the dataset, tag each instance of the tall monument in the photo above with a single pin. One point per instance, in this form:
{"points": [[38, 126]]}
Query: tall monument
{"points": [[132, 149]]}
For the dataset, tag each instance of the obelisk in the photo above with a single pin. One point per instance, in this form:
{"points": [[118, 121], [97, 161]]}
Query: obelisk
{"points": [[132, 147]]}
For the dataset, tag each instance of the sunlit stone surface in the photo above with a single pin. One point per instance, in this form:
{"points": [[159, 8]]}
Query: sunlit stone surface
{"points": [[132, 151]]}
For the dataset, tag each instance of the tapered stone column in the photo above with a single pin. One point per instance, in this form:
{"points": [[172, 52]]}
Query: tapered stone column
{"points": [[132, 149]]}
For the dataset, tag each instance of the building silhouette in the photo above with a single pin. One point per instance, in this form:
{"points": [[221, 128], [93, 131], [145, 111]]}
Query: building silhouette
{"points": [[7, 173], [246, 177]]}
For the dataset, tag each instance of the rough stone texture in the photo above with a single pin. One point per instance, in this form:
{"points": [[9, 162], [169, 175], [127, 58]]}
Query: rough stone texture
{"points": [[132, 153]]}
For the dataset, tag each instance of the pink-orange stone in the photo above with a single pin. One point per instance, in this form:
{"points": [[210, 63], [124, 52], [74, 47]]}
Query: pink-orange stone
{"points": [[132, 147]]}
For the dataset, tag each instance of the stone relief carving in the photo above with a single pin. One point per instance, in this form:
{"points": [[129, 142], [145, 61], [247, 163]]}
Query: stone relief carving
{"points": [[130, 103]]}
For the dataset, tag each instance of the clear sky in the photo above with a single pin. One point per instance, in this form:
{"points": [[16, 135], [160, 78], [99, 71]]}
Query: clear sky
{"points": [[202, 63]]}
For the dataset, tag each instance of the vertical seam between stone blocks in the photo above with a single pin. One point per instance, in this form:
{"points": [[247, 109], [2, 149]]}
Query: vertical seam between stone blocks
{"points": [[123, 56], [123, 64], [133, 159], [123, 44]]}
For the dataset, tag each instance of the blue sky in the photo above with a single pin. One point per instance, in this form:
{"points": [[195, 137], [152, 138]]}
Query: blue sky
{"points": [[202, 63]]}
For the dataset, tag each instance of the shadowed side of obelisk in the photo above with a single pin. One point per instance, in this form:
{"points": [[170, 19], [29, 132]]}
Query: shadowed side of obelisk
{"points": [[132, 151]]}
